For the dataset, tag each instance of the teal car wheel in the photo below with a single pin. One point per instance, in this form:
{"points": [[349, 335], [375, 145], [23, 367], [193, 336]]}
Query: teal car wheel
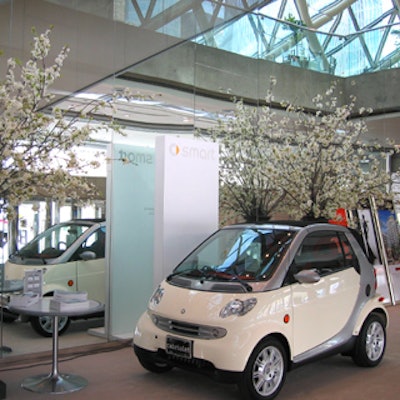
{"points": [[44, 325]]}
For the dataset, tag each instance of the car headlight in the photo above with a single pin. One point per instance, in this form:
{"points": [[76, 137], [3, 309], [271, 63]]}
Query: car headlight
{"points": [[157, 296], [238, 307]]}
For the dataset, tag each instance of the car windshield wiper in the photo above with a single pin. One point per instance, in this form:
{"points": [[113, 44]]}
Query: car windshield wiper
{"points": [[176, 273], [247, 286], [203, 273], [208, 271], [170, 276]]}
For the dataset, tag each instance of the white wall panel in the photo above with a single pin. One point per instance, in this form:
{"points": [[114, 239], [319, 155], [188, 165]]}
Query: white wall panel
{"points": [[186, 199]]}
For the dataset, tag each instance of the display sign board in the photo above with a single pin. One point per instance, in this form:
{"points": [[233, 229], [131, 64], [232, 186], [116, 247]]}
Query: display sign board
{"points": [[186, 199], [160, 205]]}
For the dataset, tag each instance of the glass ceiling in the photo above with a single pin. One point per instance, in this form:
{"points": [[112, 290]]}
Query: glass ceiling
{"points": [[339, 37]]}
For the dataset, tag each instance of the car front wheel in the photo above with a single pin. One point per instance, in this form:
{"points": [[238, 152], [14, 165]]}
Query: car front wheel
{"points": [[371, 342], [265, 372], [150, 362], [44, 325]]}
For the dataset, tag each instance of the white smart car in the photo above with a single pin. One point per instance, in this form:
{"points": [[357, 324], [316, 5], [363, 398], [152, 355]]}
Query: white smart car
{"points": [[71, 255], [253, 301]]}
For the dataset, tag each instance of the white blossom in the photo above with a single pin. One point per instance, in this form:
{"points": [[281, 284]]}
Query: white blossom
{"points": [[38, 150], [302, 164]]}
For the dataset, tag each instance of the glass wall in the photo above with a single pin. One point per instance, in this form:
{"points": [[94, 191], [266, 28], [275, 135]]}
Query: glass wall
{"points": [[186, 65]]}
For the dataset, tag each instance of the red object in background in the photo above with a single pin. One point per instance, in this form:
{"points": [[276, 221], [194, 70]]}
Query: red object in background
{"points": [[340, 219]]}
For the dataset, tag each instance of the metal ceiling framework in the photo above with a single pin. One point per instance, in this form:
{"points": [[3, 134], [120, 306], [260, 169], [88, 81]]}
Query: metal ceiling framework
{"points": [[326, 28], [155, 14], [340, 37], [343, 37]]}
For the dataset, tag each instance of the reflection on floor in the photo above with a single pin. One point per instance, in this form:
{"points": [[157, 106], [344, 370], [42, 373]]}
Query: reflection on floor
{"points": [[22, 339]]}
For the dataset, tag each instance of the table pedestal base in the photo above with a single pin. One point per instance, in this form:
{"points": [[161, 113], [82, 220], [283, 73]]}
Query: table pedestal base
{"points": [[5, 349], [56, 384]]}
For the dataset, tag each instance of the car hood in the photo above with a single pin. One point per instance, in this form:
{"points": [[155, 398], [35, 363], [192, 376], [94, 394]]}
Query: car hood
{"points": [[196, 306]]}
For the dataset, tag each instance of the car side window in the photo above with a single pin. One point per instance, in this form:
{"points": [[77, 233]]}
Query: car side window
{"points": [[350, 259], [96, 243], [326, 252]]}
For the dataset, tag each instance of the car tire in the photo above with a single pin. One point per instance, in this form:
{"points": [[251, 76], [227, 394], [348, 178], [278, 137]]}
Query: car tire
{"points": [[8, 317], [371, 342], [44, 325], [149, 361], [265, 372], [157, 367]]}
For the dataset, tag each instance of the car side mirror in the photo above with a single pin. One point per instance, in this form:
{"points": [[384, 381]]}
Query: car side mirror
{"points": [[88, 255], [307, 276]]}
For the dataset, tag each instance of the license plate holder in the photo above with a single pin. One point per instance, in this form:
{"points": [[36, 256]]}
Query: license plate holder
{"points": [[179, 347]]}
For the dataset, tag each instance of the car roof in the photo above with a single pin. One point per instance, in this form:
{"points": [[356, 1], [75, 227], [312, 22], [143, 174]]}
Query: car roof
{"points": [[82, 221], [285, 224], [85, 220]]}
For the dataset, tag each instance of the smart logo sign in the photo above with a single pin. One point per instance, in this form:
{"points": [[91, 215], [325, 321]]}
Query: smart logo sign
{"points": [[136, 157], [192, 152]]}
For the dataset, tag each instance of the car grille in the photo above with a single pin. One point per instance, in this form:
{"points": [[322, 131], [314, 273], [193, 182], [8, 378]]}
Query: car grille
{"points": [[186, 329]]}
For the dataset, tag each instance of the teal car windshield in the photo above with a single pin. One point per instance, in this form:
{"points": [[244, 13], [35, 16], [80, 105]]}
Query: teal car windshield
{"points": [[53, 242], [248, 254]]}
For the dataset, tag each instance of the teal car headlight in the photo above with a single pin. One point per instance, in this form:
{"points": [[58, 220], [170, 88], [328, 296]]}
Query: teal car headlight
{"points": [[238, 307]]}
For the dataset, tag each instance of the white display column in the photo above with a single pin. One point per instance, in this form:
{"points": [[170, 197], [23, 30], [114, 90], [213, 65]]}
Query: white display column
{"points": [[186, 199], [130, 223]]}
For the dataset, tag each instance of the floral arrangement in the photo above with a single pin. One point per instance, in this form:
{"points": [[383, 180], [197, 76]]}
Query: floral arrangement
{"points": [[290, 161]]}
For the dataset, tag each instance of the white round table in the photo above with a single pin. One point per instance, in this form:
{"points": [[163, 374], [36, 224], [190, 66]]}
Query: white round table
{"points": [[55, 382]]}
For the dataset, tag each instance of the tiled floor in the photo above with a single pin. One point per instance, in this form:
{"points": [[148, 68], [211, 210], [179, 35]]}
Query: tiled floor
{"points": [[113, 372]]}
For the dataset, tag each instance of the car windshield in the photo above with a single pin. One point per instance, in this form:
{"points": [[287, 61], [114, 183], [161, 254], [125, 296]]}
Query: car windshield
{"points": [[245, 254], [54, 241]]}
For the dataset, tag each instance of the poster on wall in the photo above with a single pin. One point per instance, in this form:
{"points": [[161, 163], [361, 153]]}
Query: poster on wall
{"points": [[395, 189], [390, 233], [369, 236], [369, 227], [391, 242], [382, 225]]}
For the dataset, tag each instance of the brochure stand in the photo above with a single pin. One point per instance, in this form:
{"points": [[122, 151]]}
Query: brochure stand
{"points": [[33, 282]]}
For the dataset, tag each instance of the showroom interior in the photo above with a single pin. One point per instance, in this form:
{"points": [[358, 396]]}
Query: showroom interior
{"points": [[186, 60]]}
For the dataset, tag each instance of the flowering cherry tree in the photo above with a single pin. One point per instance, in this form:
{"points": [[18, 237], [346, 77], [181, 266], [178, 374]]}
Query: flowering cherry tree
{"points": [[38, 150], [322, 161], [301, 164], [245, 190]]}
